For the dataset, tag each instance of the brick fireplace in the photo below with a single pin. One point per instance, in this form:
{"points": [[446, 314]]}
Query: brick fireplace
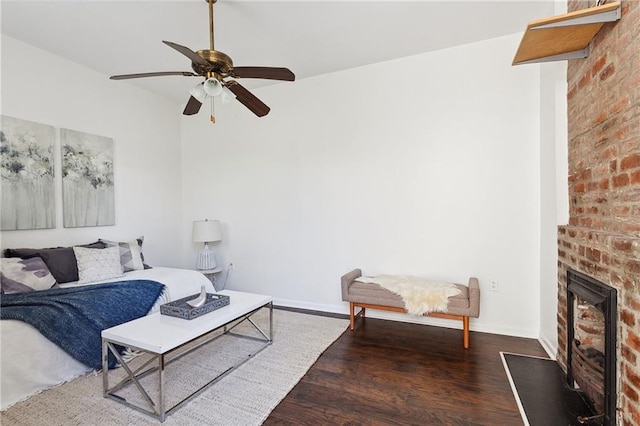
{"points": [[602, 239]]}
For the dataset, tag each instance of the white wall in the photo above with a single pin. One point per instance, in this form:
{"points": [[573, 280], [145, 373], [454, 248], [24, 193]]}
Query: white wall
{"points": [[554, 200], [553, 209], [44, 88], [427, 165]]}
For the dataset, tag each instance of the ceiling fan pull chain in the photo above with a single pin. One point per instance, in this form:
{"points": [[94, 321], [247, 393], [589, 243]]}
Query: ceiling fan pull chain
{"points": [[213, 116]]}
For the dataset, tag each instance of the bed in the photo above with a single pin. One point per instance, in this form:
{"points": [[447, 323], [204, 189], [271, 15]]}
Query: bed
{"points": [[30, 363]]}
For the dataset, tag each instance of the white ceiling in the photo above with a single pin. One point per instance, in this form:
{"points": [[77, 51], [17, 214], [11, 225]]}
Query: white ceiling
{"points": [[309, 37]]}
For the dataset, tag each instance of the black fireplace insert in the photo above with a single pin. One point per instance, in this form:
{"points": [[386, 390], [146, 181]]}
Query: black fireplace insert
{"points": [[585, 370]]}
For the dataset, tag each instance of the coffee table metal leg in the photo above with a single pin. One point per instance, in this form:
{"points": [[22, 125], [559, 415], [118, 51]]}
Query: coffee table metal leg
{"points": [[271, 321], [105, 368], [161, 387]]}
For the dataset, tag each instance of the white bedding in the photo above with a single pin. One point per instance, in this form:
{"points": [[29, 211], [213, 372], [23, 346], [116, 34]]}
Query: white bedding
{"points": [[30, 363]]}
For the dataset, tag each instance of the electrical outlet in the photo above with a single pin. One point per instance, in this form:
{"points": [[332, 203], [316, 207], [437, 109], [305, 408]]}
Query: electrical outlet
{"points": [[493, 285]]}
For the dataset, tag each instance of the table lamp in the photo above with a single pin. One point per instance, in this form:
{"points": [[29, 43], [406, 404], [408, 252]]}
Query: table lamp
{"points": [[206, 231]]}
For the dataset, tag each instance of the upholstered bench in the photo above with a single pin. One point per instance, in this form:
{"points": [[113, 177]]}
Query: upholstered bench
{"points": [[368, 295]]}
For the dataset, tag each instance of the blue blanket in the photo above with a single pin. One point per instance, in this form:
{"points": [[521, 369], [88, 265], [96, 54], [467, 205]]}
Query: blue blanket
{"points": [[73, 318]]}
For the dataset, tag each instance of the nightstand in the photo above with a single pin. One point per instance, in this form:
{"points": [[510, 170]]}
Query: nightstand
{"points": [[211, 274]]}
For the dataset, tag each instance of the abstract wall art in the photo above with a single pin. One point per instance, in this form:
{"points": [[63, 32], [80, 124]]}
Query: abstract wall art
{"points": [[28, 189], [87, 179]]}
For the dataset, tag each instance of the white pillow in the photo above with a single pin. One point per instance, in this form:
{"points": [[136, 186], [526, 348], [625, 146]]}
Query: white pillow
{"points": [[98, 264]]}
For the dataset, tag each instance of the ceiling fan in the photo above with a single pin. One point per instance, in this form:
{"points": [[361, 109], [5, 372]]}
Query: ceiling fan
{"points": [[219, 73]]}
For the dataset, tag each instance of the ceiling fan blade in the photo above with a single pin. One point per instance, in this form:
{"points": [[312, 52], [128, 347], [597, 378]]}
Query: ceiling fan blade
{"points": [[193, 106], [270, 73], [153, 74], [188, 53], [248, 99]]}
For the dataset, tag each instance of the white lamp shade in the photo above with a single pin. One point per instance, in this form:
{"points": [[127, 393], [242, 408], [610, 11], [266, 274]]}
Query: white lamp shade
{"points": [[227, 95], [205, 231], [212, 87], [198, 92]]}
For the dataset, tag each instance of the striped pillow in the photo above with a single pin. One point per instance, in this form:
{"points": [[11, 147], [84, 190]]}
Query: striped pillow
{"points": [[130, 253]]}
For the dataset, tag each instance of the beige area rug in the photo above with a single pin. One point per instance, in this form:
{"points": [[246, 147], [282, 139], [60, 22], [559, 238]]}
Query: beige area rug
{"points": [[246, 396]]}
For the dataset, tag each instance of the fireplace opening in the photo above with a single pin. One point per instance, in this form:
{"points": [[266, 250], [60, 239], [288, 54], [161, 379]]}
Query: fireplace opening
{"points": [[591, 343]]}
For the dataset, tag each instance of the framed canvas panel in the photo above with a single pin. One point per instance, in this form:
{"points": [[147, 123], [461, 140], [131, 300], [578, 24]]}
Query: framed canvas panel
{"points": [[28, 188], [87, 179]]}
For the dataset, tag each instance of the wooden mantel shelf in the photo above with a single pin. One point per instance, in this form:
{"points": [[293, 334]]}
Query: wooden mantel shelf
{"points": [[564, 36]]}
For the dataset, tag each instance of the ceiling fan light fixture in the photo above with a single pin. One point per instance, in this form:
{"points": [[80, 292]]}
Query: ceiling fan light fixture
{"points": [[212, 86]]}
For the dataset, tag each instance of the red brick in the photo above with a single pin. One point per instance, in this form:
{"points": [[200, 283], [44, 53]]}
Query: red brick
{"points": [[623, 245], [633, 266], [593, 254], [619, 106], [586, 78], [633, 378], [628, 354], [631, 228], [584, 174], [631, 196], [631, 417], [621, 134], [621, 211], [629, 392], [628, 318], [620, 180], [610, 153], [634, 343], [634, 177], [601, 118], [598, 65], [630, 162], [604, 183], [607, 72]]}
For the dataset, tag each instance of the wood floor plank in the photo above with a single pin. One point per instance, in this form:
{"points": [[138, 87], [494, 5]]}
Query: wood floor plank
{"points": [[389, 372]]}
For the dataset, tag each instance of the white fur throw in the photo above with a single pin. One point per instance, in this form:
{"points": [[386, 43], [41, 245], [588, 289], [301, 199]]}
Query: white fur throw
{"points": [[420, 296]]}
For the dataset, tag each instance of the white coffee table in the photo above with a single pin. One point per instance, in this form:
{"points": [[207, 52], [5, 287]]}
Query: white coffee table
{"points": [[161, 335]]}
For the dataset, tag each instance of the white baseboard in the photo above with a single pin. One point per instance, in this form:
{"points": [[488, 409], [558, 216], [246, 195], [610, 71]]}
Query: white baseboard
{"points": [[550, 347], [474, 324]]}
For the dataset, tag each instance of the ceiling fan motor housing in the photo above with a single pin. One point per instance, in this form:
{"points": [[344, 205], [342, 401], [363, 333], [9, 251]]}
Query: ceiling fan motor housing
{"points": [[220, 62]]}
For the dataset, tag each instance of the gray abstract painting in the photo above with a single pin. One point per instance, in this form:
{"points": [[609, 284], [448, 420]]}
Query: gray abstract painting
{"points": [[28, 190], [87, 179]]}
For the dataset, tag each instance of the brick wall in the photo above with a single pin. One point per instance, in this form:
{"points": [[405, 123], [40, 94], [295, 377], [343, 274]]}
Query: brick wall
{"points": [[602, 238]]}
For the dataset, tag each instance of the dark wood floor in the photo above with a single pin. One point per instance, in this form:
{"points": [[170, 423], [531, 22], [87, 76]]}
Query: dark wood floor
{"points": [[393, 373]]}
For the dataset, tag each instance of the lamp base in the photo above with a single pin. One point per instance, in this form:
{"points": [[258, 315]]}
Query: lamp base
{"points": [[206, 259]]}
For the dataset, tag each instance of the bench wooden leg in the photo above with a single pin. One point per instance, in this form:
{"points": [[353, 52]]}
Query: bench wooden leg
{"points": [[465, 331], [363, 306], [351, 314]]}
